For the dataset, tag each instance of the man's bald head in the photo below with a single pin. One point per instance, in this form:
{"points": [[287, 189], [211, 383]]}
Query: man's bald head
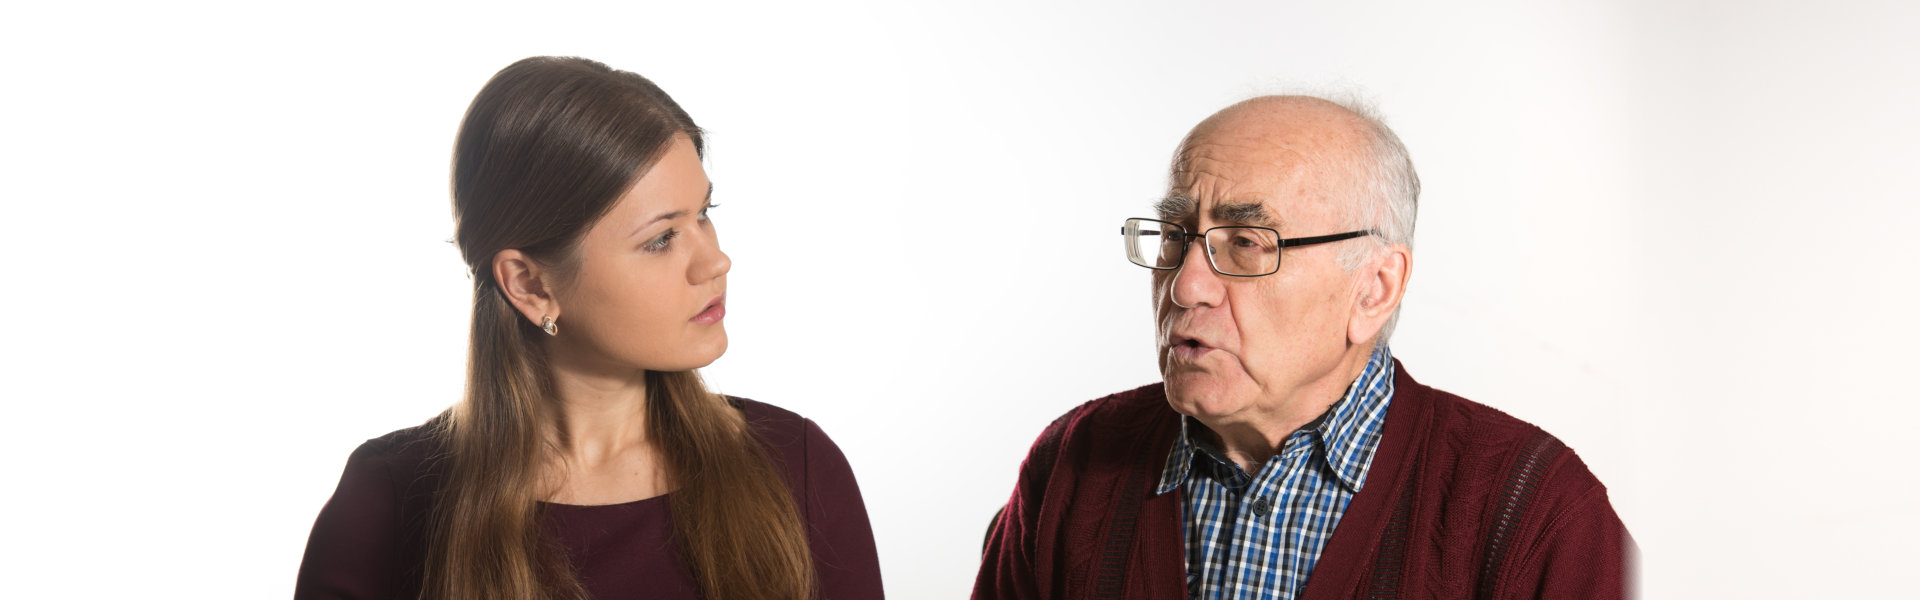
{"points": [[1297, 121], [1337, 141]]}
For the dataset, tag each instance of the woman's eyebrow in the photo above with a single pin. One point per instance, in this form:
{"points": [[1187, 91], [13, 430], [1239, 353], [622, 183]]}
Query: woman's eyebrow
{"points": [[668, 216], [649, 222]]}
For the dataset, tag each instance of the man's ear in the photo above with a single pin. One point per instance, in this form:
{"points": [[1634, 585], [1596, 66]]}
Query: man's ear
{"points": [[525, 284], [1379, 286]]}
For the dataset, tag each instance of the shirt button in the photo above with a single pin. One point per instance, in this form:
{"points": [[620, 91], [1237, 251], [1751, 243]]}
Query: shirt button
{"points": [[1262, 506]]}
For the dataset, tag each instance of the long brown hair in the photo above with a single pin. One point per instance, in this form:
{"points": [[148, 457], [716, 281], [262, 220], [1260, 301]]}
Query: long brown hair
{"points": [[546, 148]]}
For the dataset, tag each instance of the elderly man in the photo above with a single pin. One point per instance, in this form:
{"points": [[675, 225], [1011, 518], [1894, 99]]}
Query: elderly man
{"points": [[1287, 454]]}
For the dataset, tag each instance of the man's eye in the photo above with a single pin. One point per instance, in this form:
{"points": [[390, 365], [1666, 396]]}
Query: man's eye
{"points": [[661, 243], [1250, 242]]}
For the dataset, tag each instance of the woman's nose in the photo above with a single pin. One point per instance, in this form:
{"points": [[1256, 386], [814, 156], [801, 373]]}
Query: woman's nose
{"points": [[710, 262]]}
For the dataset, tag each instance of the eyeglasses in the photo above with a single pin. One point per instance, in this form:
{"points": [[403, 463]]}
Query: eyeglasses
{"points": [[1235, 251]]}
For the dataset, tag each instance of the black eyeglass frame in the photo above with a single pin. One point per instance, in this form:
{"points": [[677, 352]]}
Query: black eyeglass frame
{"points": [[1279, 242]]}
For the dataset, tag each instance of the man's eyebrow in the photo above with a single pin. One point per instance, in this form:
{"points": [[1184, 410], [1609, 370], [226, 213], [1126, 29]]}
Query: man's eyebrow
{"points": [[668, 216], [1174, 207], [1245, 213]]}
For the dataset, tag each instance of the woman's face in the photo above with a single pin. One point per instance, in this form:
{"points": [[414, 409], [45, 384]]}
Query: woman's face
{"points": [[651, 282]]}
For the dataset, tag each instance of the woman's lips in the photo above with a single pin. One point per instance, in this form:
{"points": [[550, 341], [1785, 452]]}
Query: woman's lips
{"points": [[716, 310]]}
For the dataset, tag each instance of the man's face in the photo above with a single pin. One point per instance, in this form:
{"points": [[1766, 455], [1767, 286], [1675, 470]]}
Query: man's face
{"points": [[1231, 348]]}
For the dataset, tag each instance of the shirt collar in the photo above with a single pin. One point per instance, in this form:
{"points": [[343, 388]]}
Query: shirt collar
{"points": [[1348, 434], [1351, 433], [1179, 461]]}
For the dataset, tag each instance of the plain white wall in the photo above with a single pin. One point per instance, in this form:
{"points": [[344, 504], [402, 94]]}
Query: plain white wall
{"points": [[1672, 233]]}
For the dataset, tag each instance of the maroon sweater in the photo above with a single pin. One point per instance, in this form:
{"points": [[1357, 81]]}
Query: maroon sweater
{"points": [[1461, 501], [370, 541]]}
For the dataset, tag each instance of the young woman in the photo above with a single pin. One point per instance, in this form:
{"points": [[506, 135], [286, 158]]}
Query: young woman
{"points": [[587, 459]]}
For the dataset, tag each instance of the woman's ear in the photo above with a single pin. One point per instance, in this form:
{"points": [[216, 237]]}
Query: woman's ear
{"points": [[525, 285]]}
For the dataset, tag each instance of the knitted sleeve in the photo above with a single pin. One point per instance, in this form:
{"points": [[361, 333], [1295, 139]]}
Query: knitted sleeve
{"points": [[1008, 569], [1574, 545]]}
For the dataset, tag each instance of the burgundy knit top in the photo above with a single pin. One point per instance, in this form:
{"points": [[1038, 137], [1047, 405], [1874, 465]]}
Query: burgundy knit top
{"points": [[1461, 501], [370, 542]]}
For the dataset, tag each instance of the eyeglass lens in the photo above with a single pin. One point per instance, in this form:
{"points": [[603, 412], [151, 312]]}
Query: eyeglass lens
{"points": [[1235, 250], [1244, 250]]}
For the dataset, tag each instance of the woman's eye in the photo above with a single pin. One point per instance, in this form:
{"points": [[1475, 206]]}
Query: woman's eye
{"points": [[661, 243], [703, 210]]}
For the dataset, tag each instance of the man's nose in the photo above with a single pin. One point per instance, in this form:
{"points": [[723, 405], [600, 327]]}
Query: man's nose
{"points": [[1194, 283]]}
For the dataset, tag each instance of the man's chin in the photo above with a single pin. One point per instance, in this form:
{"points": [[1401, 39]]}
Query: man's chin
{"points": [[1196, 394]]}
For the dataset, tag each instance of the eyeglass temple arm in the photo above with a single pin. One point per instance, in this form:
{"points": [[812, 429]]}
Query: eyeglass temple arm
{"points": [[1287, 243], [1322, 239]]}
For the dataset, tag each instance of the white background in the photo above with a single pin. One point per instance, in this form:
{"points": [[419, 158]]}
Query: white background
{"points": [[1675, 234]]}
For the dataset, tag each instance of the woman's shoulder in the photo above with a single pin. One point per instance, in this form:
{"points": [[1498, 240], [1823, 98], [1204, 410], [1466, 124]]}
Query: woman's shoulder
{"points": [[419, 441], [784, 432], [372, 529], [795, 440], [828, 497], [405, 457]]}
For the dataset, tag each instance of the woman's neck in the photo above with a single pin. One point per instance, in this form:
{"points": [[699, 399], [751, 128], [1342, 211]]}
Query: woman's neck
{"points": [[603, 452], [598, 410]]}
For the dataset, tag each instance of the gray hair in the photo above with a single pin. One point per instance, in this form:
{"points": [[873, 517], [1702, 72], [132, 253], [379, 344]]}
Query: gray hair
{"points": [[1383, 191], [1386, 190]]}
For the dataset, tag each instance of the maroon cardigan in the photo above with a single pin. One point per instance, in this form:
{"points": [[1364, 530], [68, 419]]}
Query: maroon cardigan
{"points": [[370, 540], [1461, 501]]}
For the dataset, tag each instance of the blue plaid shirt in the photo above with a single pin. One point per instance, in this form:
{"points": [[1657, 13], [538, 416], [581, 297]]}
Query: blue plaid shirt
{"points": [[1258, 536]]}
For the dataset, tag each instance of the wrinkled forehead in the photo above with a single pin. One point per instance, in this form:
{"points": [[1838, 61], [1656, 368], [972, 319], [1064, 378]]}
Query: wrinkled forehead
{"points": [[1269, 181]]}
